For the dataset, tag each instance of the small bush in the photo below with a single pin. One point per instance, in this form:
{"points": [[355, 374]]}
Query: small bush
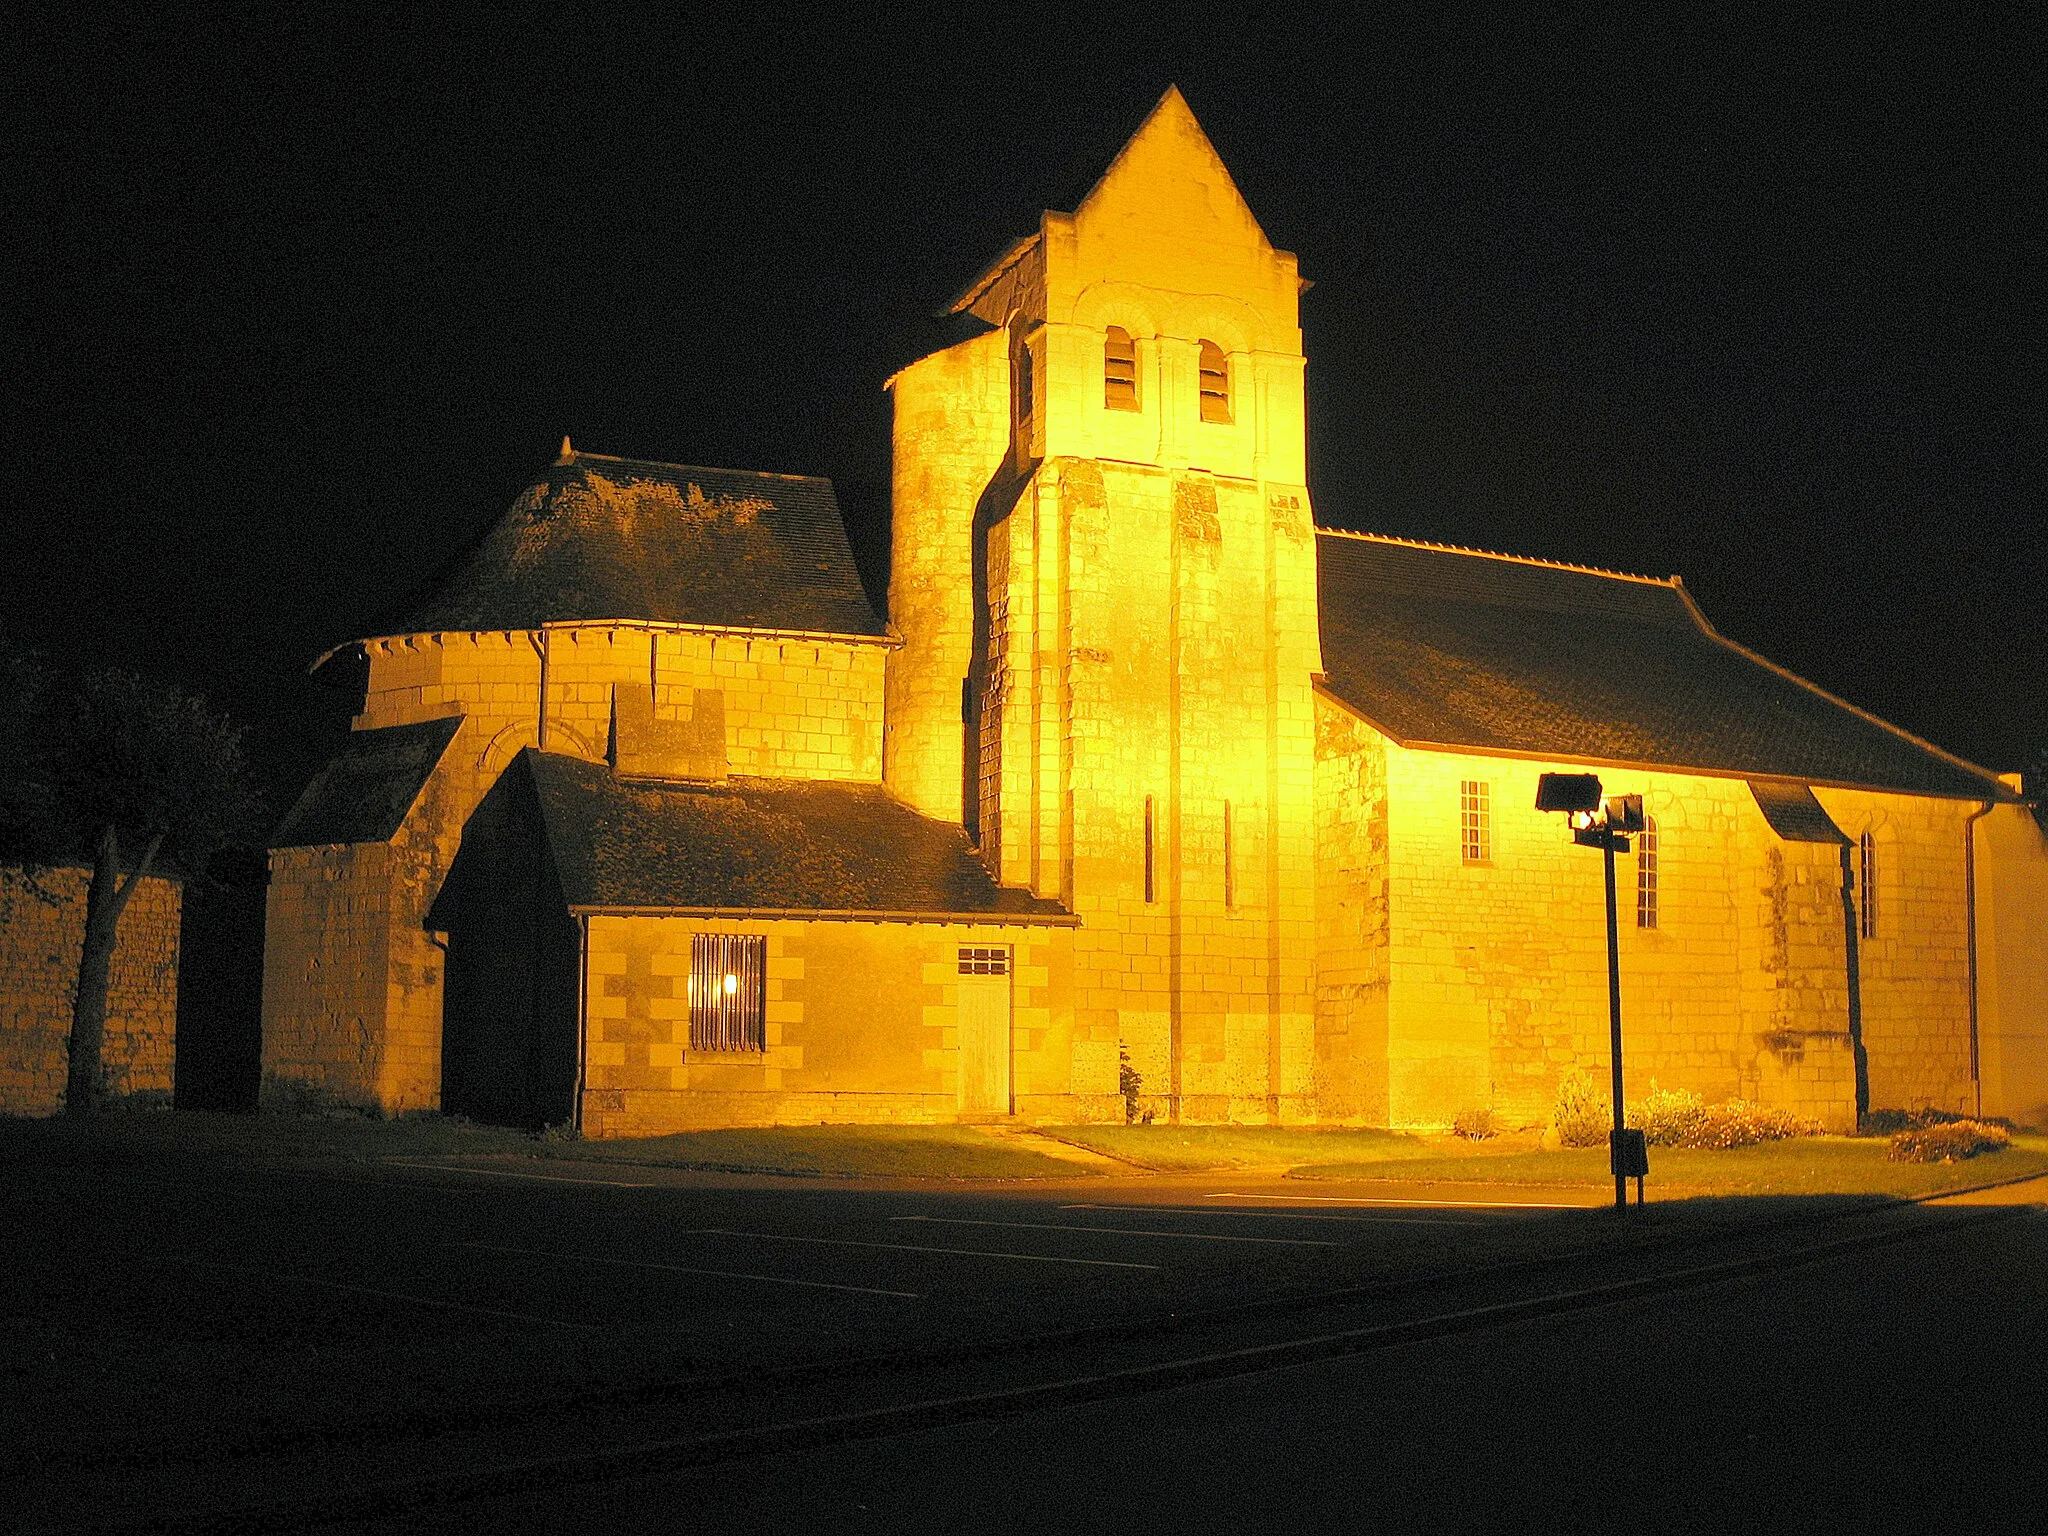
{"points": [[1667, 1117], [146, 1101], [286, 1095], [1951, 1141], [1474, 1124], [1889, 1122], [1739, 1123], [1581, 1117]]}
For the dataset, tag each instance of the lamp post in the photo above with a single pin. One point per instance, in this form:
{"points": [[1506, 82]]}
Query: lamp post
{"points": [[1605, 823]]}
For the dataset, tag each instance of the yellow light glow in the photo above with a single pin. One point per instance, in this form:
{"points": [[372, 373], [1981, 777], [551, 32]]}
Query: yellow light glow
{"points": [[732, 984]]}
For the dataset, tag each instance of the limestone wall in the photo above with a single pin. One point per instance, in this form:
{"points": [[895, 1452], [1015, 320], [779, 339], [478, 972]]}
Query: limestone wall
{"points": [[952, 427], [2012, 964], [1160, 640], [42, 928], [793, 708], [352, 979], [861, 1027], [1495, 978], [1353, 957], [1916, 967]]}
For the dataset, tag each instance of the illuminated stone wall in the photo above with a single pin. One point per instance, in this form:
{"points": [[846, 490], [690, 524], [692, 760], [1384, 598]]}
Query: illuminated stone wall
{"points": [[1493, 981], [1126, 588], [42, 928], [2012, 963], [352, 979], [848, 1041]]}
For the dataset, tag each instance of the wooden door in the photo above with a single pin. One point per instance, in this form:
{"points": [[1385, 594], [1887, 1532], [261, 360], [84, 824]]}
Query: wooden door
{"points": [[984, 978]]}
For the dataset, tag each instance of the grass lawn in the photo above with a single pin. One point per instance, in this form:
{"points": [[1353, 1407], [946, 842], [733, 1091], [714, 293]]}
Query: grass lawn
{"points": [[1186, 1148], [873, 1151], [1808, 1166], [883, 1151]]}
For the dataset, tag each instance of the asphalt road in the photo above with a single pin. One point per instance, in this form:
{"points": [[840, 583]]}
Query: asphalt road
{"points": [[1899, 1388], [219, 1336]]}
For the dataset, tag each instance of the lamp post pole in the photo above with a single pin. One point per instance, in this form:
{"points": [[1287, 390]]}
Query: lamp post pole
{"points": [[1607, 842]]}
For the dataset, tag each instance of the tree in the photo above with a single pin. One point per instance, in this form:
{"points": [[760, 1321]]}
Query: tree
{"points": [[130, 775]]}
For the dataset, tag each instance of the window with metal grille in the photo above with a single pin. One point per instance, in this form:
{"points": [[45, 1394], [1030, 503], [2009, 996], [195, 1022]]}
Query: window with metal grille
{"points": [[1475, 820], [1119, 370], [728, 992], [1646, 874], [984, 960], [1215, 382], [1866, 878]]}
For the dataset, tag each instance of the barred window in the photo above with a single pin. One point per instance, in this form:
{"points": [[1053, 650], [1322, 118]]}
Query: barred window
{"points": [[1215, 381], [728, 992], [1646, 874], [1119, 370], [1866, 877], [984, 960], [1475, 820]]}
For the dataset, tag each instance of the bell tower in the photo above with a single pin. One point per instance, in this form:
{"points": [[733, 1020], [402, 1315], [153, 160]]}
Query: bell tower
{"points": [[1104, 581]]}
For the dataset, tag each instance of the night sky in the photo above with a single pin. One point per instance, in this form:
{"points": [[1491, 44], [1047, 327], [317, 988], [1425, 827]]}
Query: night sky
{"points": [[301, 301]]}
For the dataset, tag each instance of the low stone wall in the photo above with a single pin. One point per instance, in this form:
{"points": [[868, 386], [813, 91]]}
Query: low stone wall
{"points": [[42, 927]]}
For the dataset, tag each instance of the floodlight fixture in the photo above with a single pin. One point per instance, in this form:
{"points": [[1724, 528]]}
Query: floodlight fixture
{"points": [[1578, 792]]}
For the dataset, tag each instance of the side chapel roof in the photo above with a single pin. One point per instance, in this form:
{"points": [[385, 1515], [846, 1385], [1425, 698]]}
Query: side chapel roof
{"points": [[605, 538], [363, 793], [1456, 648], [781, 845]]}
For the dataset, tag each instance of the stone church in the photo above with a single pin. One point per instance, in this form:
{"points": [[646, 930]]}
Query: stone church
{"points": [[1147, 796]]}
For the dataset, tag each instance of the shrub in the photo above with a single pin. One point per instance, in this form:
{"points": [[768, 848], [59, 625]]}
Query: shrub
{"points": [[1739, 1123], [1951, 1141], [282, 1094], [1667, 1117], [1581, 1117], [1474, 1124], [1887, 1122]]}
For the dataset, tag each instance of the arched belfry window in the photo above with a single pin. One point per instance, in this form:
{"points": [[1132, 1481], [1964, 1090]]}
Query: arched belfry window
{"points": [[1119, 370], [1215, 383]]}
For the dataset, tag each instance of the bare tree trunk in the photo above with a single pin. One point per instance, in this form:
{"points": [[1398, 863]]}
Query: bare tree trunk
{"points": [[106, 897]]}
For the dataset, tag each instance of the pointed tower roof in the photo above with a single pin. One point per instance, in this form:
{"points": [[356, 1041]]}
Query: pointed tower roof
{"points": [[1166, 164]]}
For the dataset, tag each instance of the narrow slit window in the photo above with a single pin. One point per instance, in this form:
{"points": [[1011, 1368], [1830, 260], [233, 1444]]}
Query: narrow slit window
{"points": [[1119, 370], [1866, 879], [1646, 874], [1215, 383], [728, 992], [1475, 820], [1229, 857], [1149, 882]]}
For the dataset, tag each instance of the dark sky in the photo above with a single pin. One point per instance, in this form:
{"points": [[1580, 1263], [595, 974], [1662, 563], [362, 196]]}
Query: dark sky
{"points": [[310, 296]]}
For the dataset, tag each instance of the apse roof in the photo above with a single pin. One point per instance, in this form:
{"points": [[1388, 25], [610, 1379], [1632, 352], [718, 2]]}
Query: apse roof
{"points": [[363, 793], [788, 846], [605, 538], [1458, 648]]}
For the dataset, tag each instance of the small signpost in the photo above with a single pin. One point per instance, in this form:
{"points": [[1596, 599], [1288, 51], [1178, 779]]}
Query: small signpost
{"points": [[1605, 823]]}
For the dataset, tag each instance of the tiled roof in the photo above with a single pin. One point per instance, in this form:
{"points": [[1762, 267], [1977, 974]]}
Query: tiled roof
{"points": [[362, 795], [605, 538], [1454, 648], [761, 844]]}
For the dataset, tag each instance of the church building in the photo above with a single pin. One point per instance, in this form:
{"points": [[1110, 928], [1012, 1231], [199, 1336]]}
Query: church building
{"points": [[1146, 798]]}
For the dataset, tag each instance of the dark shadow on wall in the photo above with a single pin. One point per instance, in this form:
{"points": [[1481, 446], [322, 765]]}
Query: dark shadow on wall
{"points": [[220, 985], [509, 1015]]}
